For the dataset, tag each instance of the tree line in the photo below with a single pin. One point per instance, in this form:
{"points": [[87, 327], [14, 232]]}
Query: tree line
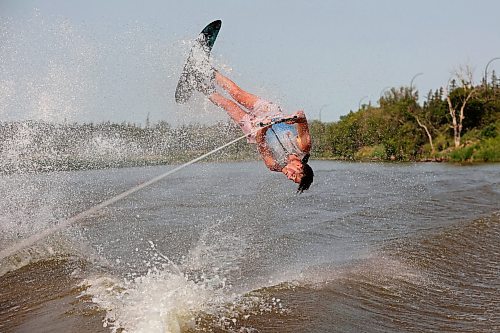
{"points": [[459, 122]]}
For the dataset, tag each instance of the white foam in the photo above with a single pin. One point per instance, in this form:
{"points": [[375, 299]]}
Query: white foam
{"points": [[173, 297], [163, 301], [160, 301]]}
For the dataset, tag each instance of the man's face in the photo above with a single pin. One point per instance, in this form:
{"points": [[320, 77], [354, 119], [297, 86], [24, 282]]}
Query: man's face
{"points": [[294, 171]]}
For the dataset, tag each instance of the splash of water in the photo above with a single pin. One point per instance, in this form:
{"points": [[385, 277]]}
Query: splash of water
{"points": [[160, 301], [173, 298], [53, 69], [64, 224]]}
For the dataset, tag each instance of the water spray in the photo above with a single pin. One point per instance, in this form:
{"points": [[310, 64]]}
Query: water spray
{"points": [[66, 223]]}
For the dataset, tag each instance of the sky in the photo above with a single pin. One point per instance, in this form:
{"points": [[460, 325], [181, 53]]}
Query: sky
{"points": [[120, 60]]}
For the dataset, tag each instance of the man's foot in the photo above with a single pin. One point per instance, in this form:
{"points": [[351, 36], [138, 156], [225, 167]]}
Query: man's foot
{"points": [[204, 81], [202, 75]]}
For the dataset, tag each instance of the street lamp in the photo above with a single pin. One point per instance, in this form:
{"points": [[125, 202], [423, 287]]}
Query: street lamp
{"points": [[321, 109], [359, 104], [383, 90], [411, 82], [486, 72], [382, 93]]}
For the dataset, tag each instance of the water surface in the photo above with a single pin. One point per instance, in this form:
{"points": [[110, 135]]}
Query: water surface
{"points": [[231, 248]]}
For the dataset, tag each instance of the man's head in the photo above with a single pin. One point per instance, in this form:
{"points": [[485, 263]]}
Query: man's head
{"points": [[306, 179], [299, 172]]}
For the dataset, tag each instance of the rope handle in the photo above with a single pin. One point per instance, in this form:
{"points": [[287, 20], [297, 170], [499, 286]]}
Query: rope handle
{"points": [[261, 124]]}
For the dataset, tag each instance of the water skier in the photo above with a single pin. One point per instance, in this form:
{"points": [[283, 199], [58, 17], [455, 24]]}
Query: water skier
{"points": [[282, 140]]}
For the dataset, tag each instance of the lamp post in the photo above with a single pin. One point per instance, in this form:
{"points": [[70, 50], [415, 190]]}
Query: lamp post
{"points": [[383, 90], [411, 82], [321, 109], [359, 103], [486, 72], [382, 93]]}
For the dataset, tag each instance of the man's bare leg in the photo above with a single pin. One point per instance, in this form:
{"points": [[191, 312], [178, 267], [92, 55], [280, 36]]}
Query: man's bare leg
{"points": [[241, 96], [232, 109]]}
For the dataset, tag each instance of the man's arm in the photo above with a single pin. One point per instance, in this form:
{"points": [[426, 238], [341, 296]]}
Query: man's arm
{"points": [[304, 138], [264, 151]]}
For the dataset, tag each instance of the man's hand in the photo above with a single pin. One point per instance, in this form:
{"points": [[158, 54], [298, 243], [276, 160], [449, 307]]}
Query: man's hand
{"points": [[297, 117], [266, 121]]}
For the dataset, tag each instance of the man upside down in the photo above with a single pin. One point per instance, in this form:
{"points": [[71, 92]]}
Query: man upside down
{"points": [[282, 140]]}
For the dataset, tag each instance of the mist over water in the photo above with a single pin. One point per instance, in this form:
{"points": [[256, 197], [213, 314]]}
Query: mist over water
{"points": [[48, 70], [57, 70]]}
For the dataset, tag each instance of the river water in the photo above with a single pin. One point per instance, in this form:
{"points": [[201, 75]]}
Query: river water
{"points": [[230, 247]]}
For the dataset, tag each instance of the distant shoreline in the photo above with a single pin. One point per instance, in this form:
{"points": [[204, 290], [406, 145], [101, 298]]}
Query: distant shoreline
{"points": [[31, 146], [148, 162]]}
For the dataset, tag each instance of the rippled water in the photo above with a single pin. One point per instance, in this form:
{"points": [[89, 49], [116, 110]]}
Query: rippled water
{"points": [[231, 248]]}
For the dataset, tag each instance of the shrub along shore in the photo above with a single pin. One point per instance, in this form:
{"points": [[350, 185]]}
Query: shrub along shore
{"points": [[459, 123]]}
